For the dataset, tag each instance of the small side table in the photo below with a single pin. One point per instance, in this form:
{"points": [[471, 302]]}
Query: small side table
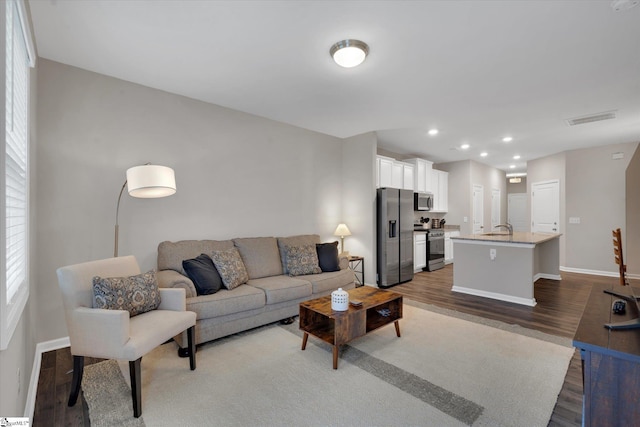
{"points": [[356, 263]]}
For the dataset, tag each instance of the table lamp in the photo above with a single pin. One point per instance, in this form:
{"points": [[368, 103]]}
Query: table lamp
{"points": [[341, 231]]}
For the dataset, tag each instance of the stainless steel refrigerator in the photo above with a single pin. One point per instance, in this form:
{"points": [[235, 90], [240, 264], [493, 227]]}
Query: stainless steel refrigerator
{"points": [[395, 236]]}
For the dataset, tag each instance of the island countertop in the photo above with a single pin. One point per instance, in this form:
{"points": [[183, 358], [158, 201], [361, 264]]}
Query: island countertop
{"points": [[518, 237]]}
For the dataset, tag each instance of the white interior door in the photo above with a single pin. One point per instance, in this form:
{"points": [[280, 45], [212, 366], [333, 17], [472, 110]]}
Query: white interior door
{"points": [[545, 207], [495, 208], [517, 211], [478, 206]]}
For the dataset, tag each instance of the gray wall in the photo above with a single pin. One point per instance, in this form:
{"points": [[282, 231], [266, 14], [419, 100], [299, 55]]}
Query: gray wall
{"points": [[520, 187], [595, 192], [359, 199], [237, 175], [631, 239]]}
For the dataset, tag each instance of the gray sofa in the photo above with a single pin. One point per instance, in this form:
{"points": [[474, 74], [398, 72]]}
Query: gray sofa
{"points": [[269, 295]]}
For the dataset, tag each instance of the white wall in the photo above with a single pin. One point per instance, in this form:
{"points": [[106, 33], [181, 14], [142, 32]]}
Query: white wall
{"points": [[237, 175]]}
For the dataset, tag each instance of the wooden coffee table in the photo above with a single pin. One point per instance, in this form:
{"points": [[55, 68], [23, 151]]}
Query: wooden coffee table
{"points": [[379, 308]]}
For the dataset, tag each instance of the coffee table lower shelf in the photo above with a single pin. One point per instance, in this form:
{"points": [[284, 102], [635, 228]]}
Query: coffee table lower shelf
{"points": [[379, 308]]}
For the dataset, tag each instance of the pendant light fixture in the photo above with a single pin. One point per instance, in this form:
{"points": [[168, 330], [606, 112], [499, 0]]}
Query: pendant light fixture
{"points": [[349, 53]]}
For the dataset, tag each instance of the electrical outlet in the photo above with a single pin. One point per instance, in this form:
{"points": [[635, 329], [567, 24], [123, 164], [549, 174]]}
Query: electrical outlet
{"points": [[466, 219], [492, 254]]}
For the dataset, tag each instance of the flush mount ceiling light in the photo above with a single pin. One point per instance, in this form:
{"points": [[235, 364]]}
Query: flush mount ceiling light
{"points": [[465, 146], [516, 157], [433, 132], [349, 53], [507, 139], [484, 154]]}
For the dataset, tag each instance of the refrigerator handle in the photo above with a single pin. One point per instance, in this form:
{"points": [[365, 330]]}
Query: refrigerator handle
{"points": [[392, 229]]}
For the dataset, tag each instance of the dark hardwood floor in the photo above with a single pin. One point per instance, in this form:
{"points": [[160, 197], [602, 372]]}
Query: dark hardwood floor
{"points": [[558, 312]]}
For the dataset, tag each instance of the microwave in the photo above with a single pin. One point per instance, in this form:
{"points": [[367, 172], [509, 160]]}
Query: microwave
{"points": [[422, 201]]}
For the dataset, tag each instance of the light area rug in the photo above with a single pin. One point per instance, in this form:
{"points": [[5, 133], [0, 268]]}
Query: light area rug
{"points": [[443, 371]]}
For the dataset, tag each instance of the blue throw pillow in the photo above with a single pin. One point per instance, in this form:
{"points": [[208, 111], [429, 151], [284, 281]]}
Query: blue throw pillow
{"points": [[328, 256], [203, 274]]}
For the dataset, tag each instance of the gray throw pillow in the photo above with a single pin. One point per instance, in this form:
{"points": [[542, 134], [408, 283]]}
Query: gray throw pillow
{"points": [[230, 267], [135, 294], [302, 260]]}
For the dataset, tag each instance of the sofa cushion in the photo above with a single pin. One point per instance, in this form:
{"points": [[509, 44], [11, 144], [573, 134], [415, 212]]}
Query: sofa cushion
{"points": [[230, 266], [300, 240], [282, 288], [135, 294], [329, 281], [203, 274], [302, 260], [225, 302], [260, 255], [328, 256], [171, 254]]}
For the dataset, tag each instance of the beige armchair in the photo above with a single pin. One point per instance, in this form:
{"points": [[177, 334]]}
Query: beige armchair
{"points": [[113, 334]]}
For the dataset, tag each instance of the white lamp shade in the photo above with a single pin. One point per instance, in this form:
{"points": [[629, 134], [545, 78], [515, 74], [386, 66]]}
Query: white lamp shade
{"points": [[151, 181], [342, 230]]}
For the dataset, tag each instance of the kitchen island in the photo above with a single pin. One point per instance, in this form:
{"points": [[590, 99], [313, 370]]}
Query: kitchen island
{"points": [[505, 266]]}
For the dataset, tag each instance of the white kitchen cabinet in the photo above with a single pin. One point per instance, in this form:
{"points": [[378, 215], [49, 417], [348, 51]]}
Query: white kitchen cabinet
{"points": [[397, 174], [394, 174], [421, 175], [448, 245], [385, 169], [440, 183], [419, 251], [407, 176]]}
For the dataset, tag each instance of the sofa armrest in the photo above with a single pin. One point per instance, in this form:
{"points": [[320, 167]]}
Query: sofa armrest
{"points": [[172, 299], [98, 332], [173, 279], [344, 262]]}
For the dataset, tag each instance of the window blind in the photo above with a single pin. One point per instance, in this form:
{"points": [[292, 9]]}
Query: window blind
{"points": [[16, 148]]}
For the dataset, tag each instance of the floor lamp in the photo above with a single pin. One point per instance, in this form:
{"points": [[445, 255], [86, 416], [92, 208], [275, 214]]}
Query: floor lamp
{"points": [[146, 182]]}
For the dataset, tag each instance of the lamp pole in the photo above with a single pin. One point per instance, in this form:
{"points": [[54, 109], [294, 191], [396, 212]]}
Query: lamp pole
{"points": [[115, 243]]}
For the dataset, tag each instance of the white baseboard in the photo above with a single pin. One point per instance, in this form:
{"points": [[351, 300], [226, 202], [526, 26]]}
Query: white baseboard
{"points": [[531, 302], [41, 347]]}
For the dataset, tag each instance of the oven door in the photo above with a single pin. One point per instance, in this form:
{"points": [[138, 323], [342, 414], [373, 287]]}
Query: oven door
{"points": [[435, 252]]}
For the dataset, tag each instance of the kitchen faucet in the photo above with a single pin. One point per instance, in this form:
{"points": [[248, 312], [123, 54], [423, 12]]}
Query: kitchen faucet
{"points": [[507, 226]]}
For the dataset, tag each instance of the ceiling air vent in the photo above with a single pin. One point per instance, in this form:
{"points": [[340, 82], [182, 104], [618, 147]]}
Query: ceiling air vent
{"points": [[607, 115]]}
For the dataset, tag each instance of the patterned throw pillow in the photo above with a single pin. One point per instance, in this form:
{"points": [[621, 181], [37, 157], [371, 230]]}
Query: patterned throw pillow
{"points": [[135, 294], [302, 260], [230, 267]]}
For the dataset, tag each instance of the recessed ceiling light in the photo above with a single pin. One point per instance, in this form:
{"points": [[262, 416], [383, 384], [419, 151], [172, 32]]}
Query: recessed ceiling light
{"points": [[349, 53], [512, 166], [484, 154], [516, 157], [465, 146], [433, 132], [507, 139]]}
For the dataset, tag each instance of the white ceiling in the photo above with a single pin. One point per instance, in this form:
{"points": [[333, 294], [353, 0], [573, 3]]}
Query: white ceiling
{"points": [[476, 70]]}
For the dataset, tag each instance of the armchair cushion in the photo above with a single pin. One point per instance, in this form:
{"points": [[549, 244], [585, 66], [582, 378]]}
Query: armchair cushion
{"points": [[135, 294]]}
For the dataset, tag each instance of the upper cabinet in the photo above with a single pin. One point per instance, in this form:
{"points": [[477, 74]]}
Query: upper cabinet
{"points": [[422, 182], [440, 183], [394, 174]]}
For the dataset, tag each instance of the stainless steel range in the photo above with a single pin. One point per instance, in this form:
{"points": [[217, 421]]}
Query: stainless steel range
{"points": [[435, 249]]}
